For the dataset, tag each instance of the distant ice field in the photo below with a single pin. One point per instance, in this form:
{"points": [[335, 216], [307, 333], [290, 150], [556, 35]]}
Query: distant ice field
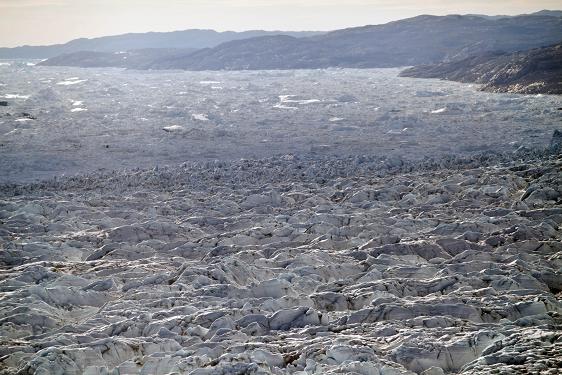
{"points": [[65, 121]]}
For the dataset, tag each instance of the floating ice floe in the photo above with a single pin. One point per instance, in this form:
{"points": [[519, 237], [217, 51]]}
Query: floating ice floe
{"points": [[16, 96], [310, 101], [76, 103], [297, 99], [174, 129], [397, 132], [78, 109], [293, 99], [71, 81], [440, 110], [200, 117], [281, 106], [23, 119]]}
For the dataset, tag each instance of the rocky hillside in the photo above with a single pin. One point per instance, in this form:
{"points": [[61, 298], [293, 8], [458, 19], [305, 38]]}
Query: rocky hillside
{"points": [[535, 71]]}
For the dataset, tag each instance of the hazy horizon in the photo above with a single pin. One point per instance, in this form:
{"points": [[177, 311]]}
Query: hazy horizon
{"points": [[64, 20]]}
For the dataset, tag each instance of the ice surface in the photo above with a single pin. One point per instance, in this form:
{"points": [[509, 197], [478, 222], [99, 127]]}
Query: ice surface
{"points": [[286, 265], [357, 234], [129, 108]]}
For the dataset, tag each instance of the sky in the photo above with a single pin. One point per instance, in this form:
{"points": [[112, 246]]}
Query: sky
{"points": [[40, 22]]}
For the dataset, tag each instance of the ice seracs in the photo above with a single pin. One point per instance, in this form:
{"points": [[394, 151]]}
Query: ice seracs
{"points": [[176, 246], [286, 265]]}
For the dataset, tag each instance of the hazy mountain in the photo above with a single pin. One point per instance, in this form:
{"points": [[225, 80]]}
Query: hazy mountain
{"points": [[192, 39], [544, 12], [536, 71], [413, 41], [552, 13], [134, 59]]}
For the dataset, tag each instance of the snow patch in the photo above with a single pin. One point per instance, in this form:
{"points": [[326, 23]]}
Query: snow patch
{"points": [[440, 110], [71, 81], [208, 83]]}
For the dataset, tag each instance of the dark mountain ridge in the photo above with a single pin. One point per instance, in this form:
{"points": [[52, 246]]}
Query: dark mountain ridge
{"points": [[414, 41], [530, 72]]}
